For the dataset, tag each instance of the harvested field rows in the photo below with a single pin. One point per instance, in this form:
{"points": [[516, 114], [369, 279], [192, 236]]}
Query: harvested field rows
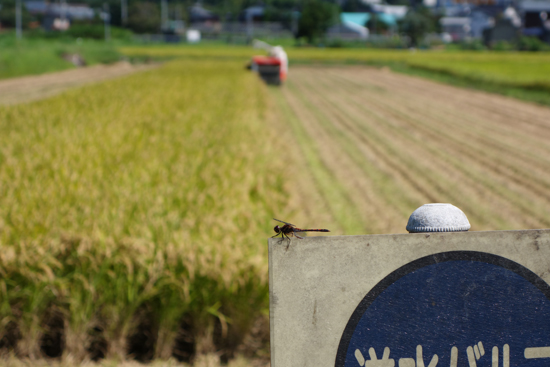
{"points": [[380, 144]]}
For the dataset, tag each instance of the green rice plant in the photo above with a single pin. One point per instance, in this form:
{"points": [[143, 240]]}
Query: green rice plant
{"points": [[142, 200], [28, 286], [211, 360], [190, 51]]}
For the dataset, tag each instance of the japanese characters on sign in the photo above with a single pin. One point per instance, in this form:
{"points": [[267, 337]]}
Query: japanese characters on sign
{"points": [[457, 309]]}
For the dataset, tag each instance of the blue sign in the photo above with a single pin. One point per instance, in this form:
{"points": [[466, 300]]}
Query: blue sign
{"points": [[453, 309]]}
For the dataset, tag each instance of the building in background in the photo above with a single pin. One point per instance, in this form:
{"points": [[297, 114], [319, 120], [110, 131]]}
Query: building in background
{"points": [[487, 20], [459, 28], [58, 16], [351, 27], [354, 25], [204, 20], [535, 16]]}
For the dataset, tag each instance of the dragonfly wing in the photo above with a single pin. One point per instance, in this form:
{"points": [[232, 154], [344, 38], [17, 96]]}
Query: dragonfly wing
{"points": [[301, 235], [284, 222]]}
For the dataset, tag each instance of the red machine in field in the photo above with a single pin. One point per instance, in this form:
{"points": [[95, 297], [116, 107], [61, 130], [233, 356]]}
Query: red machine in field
{"points": [[272, 68]]}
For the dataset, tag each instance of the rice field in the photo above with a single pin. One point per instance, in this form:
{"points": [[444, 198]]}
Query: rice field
{"points": [[134, 215], [518, 69]]}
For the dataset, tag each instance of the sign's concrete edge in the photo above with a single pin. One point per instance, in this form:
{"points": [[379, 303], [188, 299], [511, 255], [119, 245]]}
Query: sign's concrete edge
{"points": [[271, 303], [278, 241]]}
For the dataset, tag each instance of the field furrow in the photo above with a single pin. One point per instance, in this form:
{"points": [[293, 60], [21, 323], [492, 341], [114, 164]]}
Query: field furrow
{"points": [[492, 128], [400, 153], [435, 179], [521, 179], [396, 191], [413, 141], [365, 150], [484, 111], [337, 190], [424, 164], [504, 164]]}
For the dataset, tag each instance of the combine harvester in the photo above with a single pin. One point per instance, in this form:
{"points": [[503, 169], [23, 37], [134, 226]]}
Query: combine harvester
{"points": [[272, 68]]}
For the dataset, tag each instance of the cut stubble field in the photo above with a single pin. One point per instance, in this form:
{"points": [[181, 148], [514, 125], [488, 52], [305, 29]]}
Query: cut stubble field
{"points": [[380, 144]]}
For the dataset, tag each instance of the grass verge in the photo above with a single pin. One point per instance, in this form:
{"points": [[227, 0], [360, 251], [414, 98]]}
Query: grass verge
{"points": [[38, 56], [537, 93]]}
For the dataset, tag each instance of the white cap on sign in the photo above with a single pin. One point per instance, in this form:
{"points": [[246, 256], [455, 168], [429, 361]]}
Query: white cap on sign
{"points": [[438, 218]]}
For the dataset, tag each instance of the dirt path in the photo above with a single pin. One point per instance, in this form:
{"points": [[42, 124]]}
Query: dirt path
{"points": [[29, 88], [389, 143]]}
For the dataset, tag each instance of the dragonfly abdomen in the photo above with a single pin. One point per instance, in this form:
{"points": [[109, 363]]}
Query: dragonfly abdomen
{"points": [[310, 230]]}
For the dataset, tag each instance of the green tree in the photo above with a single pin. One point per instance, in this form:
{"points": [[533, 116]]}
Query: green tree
{"points": [[376, 25], [416, 23], [7, 14], [317, 16], [144, 17], [353, 6]]}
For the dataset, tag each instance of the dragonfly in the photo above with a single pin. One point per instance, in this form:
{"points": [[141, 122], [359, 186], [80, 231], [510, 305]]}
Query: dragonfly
{"points": [[291, 230]]}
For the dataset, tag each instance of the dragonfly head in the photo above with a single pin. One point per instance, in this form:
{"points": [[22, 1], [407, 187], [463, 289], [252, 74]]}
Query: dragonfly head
{"points": [[277, 229]]}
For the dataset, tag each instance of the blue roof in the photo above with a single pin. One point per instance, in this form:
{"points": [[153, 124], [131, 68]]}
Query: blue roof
{"points": [[389, 19], [36, 6], [357, 18], [362, 18]]}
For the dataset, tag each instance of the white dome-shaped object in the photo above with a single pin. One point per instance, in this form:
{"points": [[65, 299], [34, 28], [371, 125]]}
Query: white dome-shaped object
{"points": [[438, 218]]}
